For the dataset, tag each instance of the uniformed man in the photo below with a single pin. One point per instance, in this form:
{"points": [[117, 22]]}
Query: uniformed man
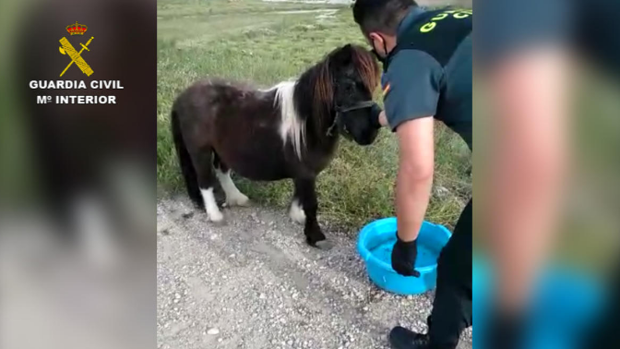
{"points": [[427, 63]]}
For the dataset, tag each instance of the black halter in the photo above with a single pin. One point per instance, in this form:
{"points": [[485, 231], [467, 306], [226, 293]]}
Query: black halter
{"points": [[340, 110]]}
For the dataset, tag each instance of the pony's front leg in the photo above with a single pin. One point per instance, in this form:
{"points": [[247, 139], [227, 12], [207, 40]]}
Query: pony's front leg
{"points": [[305, 194]]}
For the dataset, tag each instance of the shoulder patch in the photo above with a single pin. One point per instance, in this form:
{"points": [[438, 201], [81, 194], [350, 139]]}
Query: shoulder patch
{"points": [[386, 89], [438, 33]]}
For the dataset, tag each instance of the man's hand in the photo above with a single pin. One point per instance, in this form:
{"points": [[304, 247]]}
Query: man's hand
{"points": [[376, 114], [404, 255], [383, 119]]}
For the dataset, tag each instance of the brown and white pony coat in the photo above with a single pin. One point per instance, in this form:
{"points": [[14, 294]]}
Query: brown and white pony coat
{"points": [[288, 131]]}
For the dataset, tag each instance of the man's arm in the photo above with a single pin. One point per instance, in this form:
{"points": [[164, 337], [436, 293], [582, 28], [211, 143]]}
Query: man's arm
{"points": [[411, 95], [415, 175], [527, 166], [383, 119]]}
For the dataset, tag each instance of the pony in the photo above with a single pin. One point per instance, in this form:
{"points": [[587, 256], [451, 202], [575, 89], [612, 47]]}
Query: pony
{"points": [[289, 131]]}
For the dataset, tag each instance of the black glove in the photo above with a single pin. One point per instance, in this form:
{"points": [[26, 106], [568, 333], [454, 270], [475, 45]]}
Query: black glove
{"points": [[375, 111], [403, 257], [505, 331]]}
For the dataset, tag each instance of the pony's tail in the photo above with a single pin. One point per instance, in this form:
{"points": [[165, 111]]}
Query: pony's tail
{"points": [[185, 161]]}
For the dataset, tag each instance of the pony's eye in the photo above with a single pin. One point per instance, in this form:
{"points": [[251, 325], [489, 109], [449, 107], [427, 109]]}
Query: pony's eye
{"points": [[347, 87]]}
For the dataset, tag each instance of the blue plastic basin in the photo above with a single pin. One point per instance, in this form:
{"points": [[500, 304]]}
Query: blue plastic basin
{"points": [[375, 243], [565, 305]]}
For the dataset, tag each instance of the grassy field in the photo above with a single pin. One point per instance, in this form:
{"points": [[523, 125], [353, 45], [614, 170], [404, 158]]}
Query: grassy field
{"points": [[264, 43]]}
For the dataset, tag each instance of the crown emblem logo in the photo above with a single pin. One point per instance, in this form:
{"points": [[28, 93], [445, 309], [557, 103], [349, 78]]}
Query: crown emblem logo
{"points": [[69, 50], [77, 29]]}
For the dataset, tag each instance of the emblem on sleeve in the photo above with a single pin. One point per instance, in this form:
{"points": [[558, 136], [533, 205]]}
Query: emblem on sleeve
{"points": [[386, 89]]}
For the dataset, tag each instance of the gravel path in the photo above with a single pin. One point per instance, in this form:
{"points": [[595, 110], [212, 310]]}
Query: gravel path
{"points": [[253, 283]]}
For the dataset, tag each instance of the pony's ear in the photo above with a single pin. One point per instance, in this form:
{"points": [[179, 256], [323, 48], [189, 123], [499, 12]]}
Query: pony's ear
{"points": [[343, 55]]}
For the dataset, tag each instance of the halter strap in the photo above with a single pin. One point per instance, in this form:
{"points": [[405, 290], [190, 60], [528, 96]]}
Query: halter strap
{"points": [[358, 105], [340, 110]]}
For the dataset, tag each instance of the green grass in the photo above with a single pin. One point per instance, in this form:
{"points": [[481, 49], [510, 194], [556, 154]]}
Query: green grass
{"points": [[247, 40]]}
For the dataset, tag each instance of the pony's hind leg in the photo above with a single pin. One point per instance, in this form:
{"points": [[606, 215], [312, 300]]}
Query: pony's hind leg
{"points": [[206, 180], [305, 193], [234, 197], [185, 161]]}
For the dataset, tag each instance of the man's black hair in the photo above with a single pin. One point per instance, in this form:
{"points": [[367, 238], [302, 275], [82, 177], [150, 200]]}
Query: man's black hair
{"points": [[381, 15]]}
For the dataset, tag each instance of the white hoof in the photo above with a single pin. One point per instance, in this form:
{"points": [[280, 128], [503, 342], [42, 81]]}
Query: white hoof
{"points": [[233, 196], [297, 213], [215, 217], [237, 200], [213, 212]]}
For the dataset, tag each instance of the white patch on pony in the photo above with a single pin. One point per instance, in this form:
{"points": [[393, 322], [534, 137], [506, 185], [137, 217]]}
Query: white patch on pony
{"points": [[233, 196], [292, 126], [297, 213], [211, 206]]}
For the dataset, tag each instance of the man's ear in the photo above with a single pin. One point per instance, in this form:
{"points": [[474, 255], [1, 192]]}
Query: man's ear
{"points": [[374, 36]]}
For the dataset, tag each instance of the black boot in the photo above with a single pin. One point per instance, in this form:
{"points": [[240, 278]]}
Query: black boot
{"points": [[402, 338]]}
